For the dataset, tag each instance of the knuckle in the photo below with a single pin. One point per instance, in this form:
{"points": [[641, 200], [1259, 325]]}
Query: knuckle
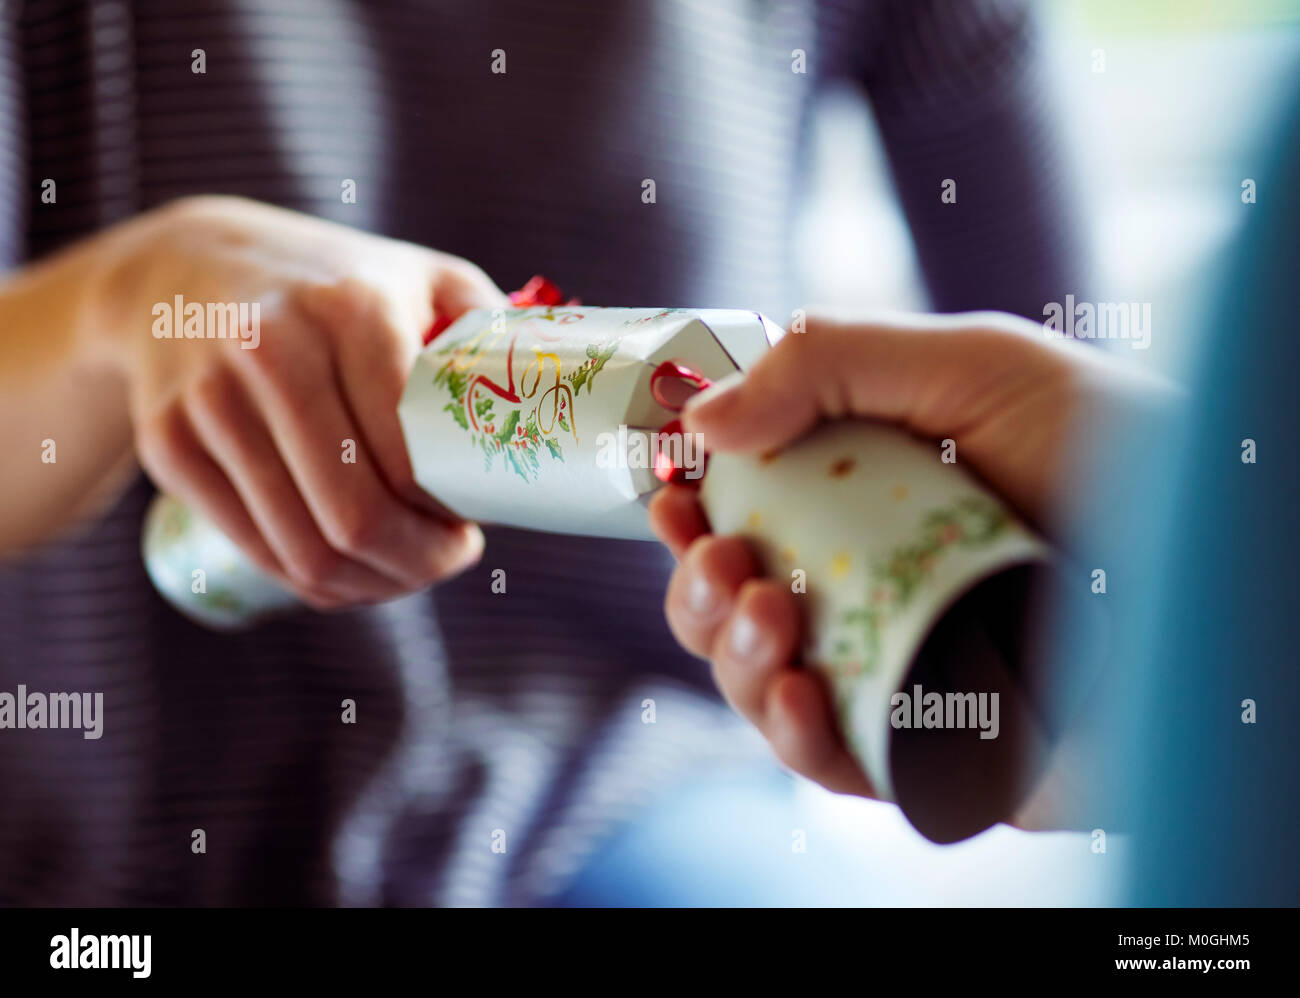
{"points": [[182, 209], [341, 302], [200, 209], [314, 569], [210, 393], [351, 528], [161, 438], [201, 203], [266, 361], [280, 369]]}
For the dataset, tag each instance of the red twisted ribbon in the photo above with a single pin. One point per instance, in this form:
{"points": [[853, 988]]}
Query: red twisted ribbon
{"points": [[671, 384]]}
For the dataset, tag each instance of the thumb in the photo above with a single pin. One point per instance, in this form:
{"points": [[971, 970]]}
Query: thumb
{"points": [[459, 286], [907, 370]]}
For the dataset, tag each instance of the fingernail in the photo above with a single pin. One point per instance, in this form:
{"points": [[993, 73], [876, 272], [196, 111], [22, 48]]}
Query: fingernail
{"points": [[746, 638], [700, 595]]}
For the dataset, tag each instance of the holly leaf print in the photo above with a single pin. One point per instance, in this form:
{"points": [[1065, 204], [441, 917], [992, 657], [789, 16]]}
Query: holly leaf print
{"points": [[507, 431], [600, 359], [458, 413]]}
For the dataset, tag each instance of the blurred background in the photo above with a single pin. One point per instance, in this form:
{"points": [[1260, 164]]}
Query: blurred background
{"points": [[1167, 106]]}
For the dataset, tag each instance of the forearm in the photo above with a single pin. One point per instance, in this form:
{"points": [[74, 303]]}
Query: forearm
{"points": [[66, 444]]}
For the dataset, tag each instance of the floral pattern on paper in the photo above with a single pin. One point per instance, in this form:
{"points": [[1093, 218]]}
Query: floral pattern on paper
{"points": [[497, 416], [893, 581]]}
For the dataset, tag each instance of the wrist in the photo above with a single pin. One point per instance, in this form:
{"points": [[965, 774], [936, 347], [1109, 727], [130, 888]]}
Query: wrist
{"points": [[112, 306]]}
